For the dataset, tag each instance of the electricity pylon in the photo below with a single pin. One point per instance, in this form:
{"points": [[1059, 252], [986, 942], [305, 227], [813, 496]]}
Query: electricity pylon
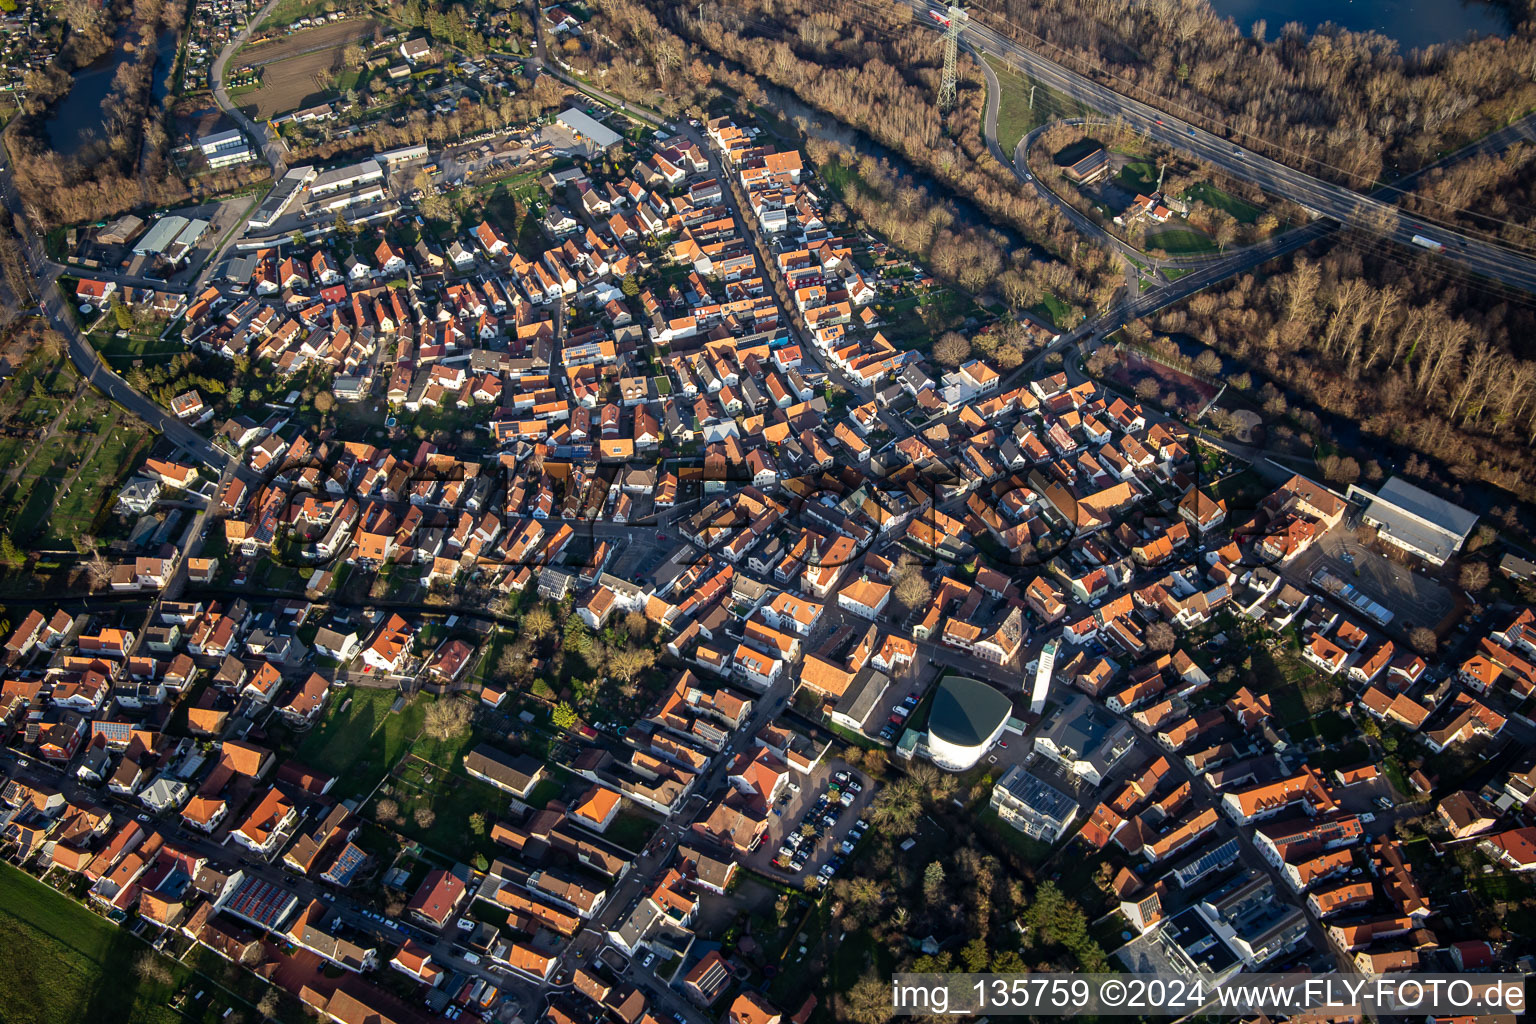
{"points": [[951, 58]]}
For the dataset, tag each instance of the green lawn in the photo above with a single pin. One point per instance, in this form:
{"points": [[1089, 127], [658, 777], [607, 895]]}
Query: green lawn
{"points": [[1015, 116], [445, 753], [359, 745], [1299, 694], [1139, 176], [1028, 850], [1240, 209], [1053, 309], [120, 352], [1179, 241], [452, 796], [65, 965]]}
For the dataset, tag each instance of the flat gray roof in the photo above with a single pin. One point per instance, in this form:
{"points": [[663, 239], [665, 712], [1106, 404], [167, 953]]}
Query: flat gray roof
{"points": [[1037, 794], [1417, 518], [341, 177], [1421, 503], [583, 124], [159, 237]]}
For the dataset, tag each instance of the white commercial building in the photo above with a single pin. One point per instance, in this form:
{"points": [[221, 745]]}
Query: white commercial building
{"points": [[364, 172], [225, 149], [1414, 520], [589, 128]]}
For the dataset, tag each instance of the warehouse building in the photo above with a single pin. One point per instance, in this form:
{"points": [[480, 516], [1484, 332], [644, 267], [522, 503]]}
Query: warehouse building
{"points": [[225, 149], [587, 127], [1414, 520]]}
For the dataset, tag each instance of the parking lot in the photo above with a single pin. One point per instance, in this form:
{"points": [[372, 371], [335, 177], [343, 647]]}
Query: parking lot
{"points": [[889, 718], [517, 148], [1413, 597], [810, 807]]}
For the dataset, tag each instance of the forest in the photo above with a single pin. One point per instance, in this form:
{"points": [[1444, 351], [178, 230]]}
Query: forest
{"points": [[1379, 337], [1491, 194]]}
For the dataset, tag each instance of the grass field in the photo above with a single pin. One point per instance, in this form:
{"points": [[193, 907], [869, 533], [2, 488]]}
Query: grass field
{"points": [[1241, 210], [1139, 176], [121, 352], [1015, 117], [1179, 241], [65, 965], [1299, 694], [1053, 309], [452, 797], [1029, 851], [361, 744]]}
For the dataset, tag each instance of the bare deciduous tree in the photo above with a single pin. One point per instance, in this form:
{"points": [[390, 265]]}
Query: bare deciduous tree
{"points": [[448, 718]]}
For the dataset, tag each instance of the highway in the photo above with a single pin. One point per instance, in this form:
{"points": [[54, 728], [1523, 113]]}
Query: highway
{"points": [[1322, 198]]}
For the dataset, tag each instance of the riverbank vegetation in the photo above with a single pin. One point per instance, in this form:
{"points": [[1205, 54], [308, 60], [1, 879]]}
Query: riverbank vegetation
{"points": [[128, 165], [1378, 339]]}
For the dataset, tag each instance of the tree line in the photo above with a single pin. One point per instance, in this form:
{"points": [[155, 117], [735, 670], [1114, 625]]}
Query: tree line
{"points": [[469, 118], [1432, 365]]}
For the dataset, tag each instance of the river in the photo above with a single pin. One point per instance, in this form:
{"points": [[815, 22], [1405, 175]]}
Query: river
{"points": [[1413, 23], [77, 119]]}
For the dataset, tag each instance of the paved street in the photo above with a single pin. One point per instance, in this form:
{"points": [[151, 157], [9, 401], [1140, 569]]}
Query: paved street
{"points": [[270, 146]]}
